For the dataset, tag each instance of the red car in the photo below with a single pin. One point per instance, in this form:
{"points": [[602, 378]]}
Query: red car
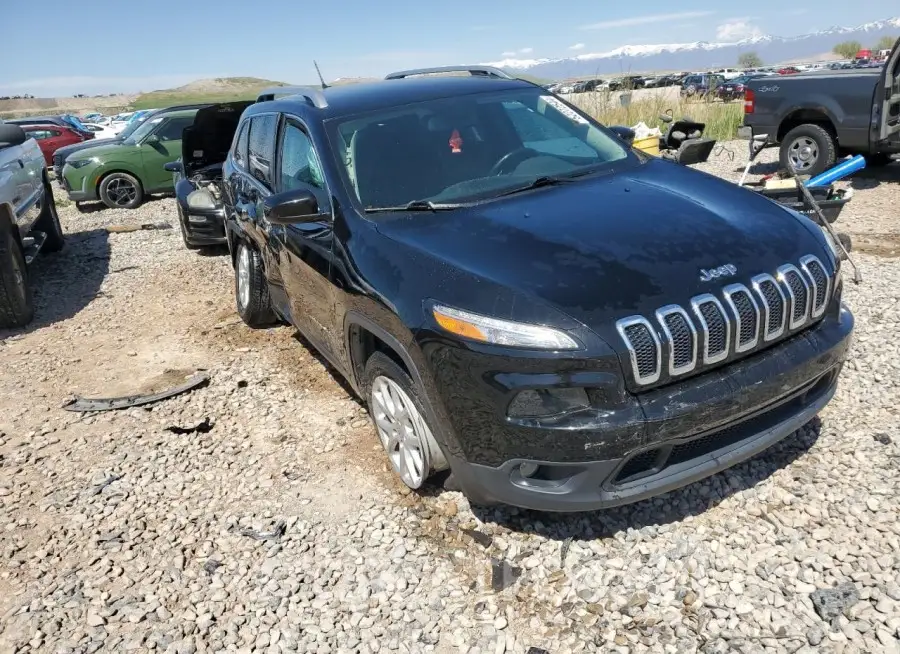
{"points": [[51, 138], [788, 70]]}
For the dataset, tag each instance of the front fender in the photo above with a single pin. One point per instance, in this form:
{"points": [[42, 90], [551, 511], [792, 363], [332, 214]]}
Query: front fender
{"points": [[120, 166]]}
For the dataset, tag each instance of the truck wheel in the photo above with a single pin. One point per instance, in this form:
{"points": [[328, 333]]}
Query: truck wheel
{"points": [[16, 309], [121, 191], [251, 290], [808, 150], [400, 422], [48, 222]]}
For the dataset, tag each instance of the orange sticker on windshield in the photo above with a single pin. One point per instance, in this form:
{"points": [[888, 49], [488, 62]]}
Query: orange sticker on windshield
{"points": [[456, 142]]}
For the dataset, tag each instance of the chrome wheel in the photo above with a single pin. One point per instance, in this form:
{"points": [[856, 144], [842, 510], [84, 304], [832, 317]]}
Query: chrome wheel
{"points": [[121, 191], [243, 276], [803, 153], [403, 432]]}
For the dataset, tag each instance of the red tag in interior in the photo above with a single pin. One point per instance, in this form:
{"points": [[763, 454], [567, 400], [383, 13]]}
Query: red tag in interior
{"points": [[456, 142]]}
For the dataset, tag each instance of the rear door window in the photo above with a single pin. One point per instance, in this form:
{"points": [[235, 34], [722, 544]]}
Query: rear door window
{"points": [[261, 148], [240, 148]]}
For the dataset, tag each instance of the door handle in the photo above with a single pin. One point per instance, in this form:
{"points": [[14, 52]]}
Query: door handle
{"points": [[21, 163]]}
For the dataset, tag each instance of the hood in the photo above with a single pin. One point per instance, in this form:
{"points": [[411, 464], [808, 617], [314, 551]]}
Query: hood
{"points": [[102, 151], [87, 145], [605, 248], [209, 138]]}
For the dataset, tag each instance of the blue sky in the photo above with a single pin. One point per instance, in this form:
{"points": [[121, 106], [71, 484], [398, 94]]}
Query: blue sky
{"points": [[141, 46]]}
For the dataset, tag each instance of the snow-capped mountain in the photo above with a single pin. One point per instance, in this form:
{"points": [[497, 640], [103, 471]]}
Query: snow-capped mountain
{"points": [[700, 54]]}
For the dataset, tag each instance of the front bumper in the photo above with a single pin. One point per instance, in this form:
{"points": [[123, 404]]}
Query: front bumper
{"points": [[205, 227], [657, 441], [76, 185]]}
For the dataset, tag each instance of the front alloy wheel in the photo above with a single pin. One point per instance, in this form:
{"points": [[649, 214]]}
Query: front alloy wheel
{"points": [[403, 432]]}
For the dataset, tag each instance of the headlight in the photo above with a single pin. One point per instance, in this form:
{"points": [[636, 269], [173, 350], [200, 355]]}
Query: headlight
{"points": [[501, 332], [832, 246], [201, 199], [81, 163]]}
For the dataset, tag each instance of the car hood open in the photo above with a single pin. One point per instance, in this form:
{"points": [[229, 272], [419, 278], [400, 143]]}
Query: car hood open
{"points": [[604, 248], [209, 138]]}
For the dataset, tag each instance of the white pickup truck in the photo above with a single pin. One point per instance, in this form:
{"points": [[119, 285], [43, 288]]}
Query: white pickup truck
{"points": [[28, 221]]}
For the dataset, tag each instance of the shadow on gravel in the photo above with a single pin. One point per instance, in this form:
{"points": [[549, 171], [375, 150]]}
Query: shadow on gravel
{"points": [[869, 178], [665, 509], [336, 376], [210, 250], [63, 283]]}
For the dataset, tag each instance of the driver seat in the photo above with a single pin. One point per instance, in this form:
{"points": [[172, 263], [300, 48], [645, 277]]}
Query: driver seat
{"points": [[393, 163]]}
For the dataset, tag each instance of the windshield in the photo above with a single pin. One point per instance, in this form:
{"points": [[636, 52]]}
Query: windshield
{"points": [[470, 147], [73, 120], [142, 130]]}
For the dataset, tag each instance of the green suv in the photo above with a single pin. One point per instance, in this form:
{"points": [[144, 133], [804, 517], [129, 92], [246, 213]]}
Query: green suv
{"points": [[120, 174]]}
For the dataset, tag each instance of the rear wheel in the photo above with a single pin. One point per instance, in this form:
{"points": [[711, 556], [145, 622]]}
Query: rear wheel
{"points": [[121, 191], [399, 417], [808, 150], [16, 309], [251, 290]]}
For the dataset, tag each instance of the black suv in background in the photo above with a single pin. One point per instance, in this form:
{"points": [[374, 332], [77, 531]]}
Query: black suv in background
{"points": [[561, 321]]}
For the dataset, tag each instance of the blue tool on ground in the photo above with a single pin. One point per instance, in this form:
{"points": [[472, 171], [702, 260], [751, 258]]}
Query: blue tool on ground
{"points": [[846, 167]]}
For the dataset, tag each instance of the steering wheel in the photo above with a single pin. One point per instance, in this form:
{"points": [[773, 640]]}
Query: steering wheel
{"points": [[517, 156]]}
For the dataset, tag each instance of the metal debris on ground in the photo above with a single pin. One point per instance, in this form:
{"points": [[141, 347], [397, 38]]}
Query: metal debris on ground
{"points": [[112, 403], [479, 537], [883, 438], [211, 566], [122, 229], [276, 533], [503, 575], [201, 428]]}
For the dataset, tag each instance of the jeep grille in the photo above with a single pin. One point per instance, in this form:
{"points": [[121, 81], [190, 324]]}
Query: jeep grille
{"points": [[736, 320]]}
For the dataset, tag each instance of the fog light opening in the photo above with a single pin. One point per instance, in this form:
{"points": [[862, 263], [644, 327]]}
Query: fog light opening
{"points": [[528, 469]]}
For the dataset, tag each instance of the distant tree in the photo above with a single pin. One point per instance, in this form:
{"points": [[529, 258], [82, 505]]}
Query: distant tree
{"points": [[886, 43], [847, 49], [750, 60]]}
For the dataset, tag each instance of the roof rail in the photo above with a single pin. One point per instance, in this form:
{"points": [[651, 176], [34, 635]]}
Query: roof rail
{"points": [[313, 95], [474, 71]]}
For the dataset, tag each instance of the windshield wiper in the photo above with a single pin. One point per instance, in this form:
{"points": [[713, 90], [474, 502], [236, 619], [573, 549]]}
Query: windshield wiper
{"points": [[417, 205], [545, 180]]}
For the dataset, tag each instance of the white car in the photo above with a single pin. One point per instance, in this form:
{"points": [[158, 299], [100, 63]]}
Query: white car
{"points": [[101, 131]]}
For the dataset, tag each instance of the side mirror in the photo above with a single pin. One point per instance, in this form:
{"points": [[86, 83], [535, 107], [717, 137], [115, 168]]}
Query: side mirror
{"points": [[292, 207], [174, 167], [12, 135], [624, 133], [153, 138]]}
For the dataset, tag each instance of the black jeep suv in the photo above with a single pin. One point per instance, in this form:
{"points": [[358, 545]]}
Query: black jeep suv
{"points": [[562, 322]]}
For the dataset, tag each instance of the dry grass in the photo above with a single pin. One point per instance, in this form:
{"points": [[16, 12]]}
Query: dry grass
{"points": [[722, 119]]}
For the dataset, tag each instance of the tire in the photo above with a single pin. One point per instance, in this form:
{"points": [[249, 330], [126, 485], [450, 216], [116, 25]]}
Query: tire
{"points": [[48, 222], [121, 191], [400, 421], [878, 159], [251, 290], [811, 147], [16, 308], [184, 236]]}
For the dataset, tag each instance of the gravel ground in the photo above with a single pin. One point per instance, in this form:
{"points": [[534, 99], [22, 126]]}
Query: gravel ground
{"points": [[279, 528]]}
